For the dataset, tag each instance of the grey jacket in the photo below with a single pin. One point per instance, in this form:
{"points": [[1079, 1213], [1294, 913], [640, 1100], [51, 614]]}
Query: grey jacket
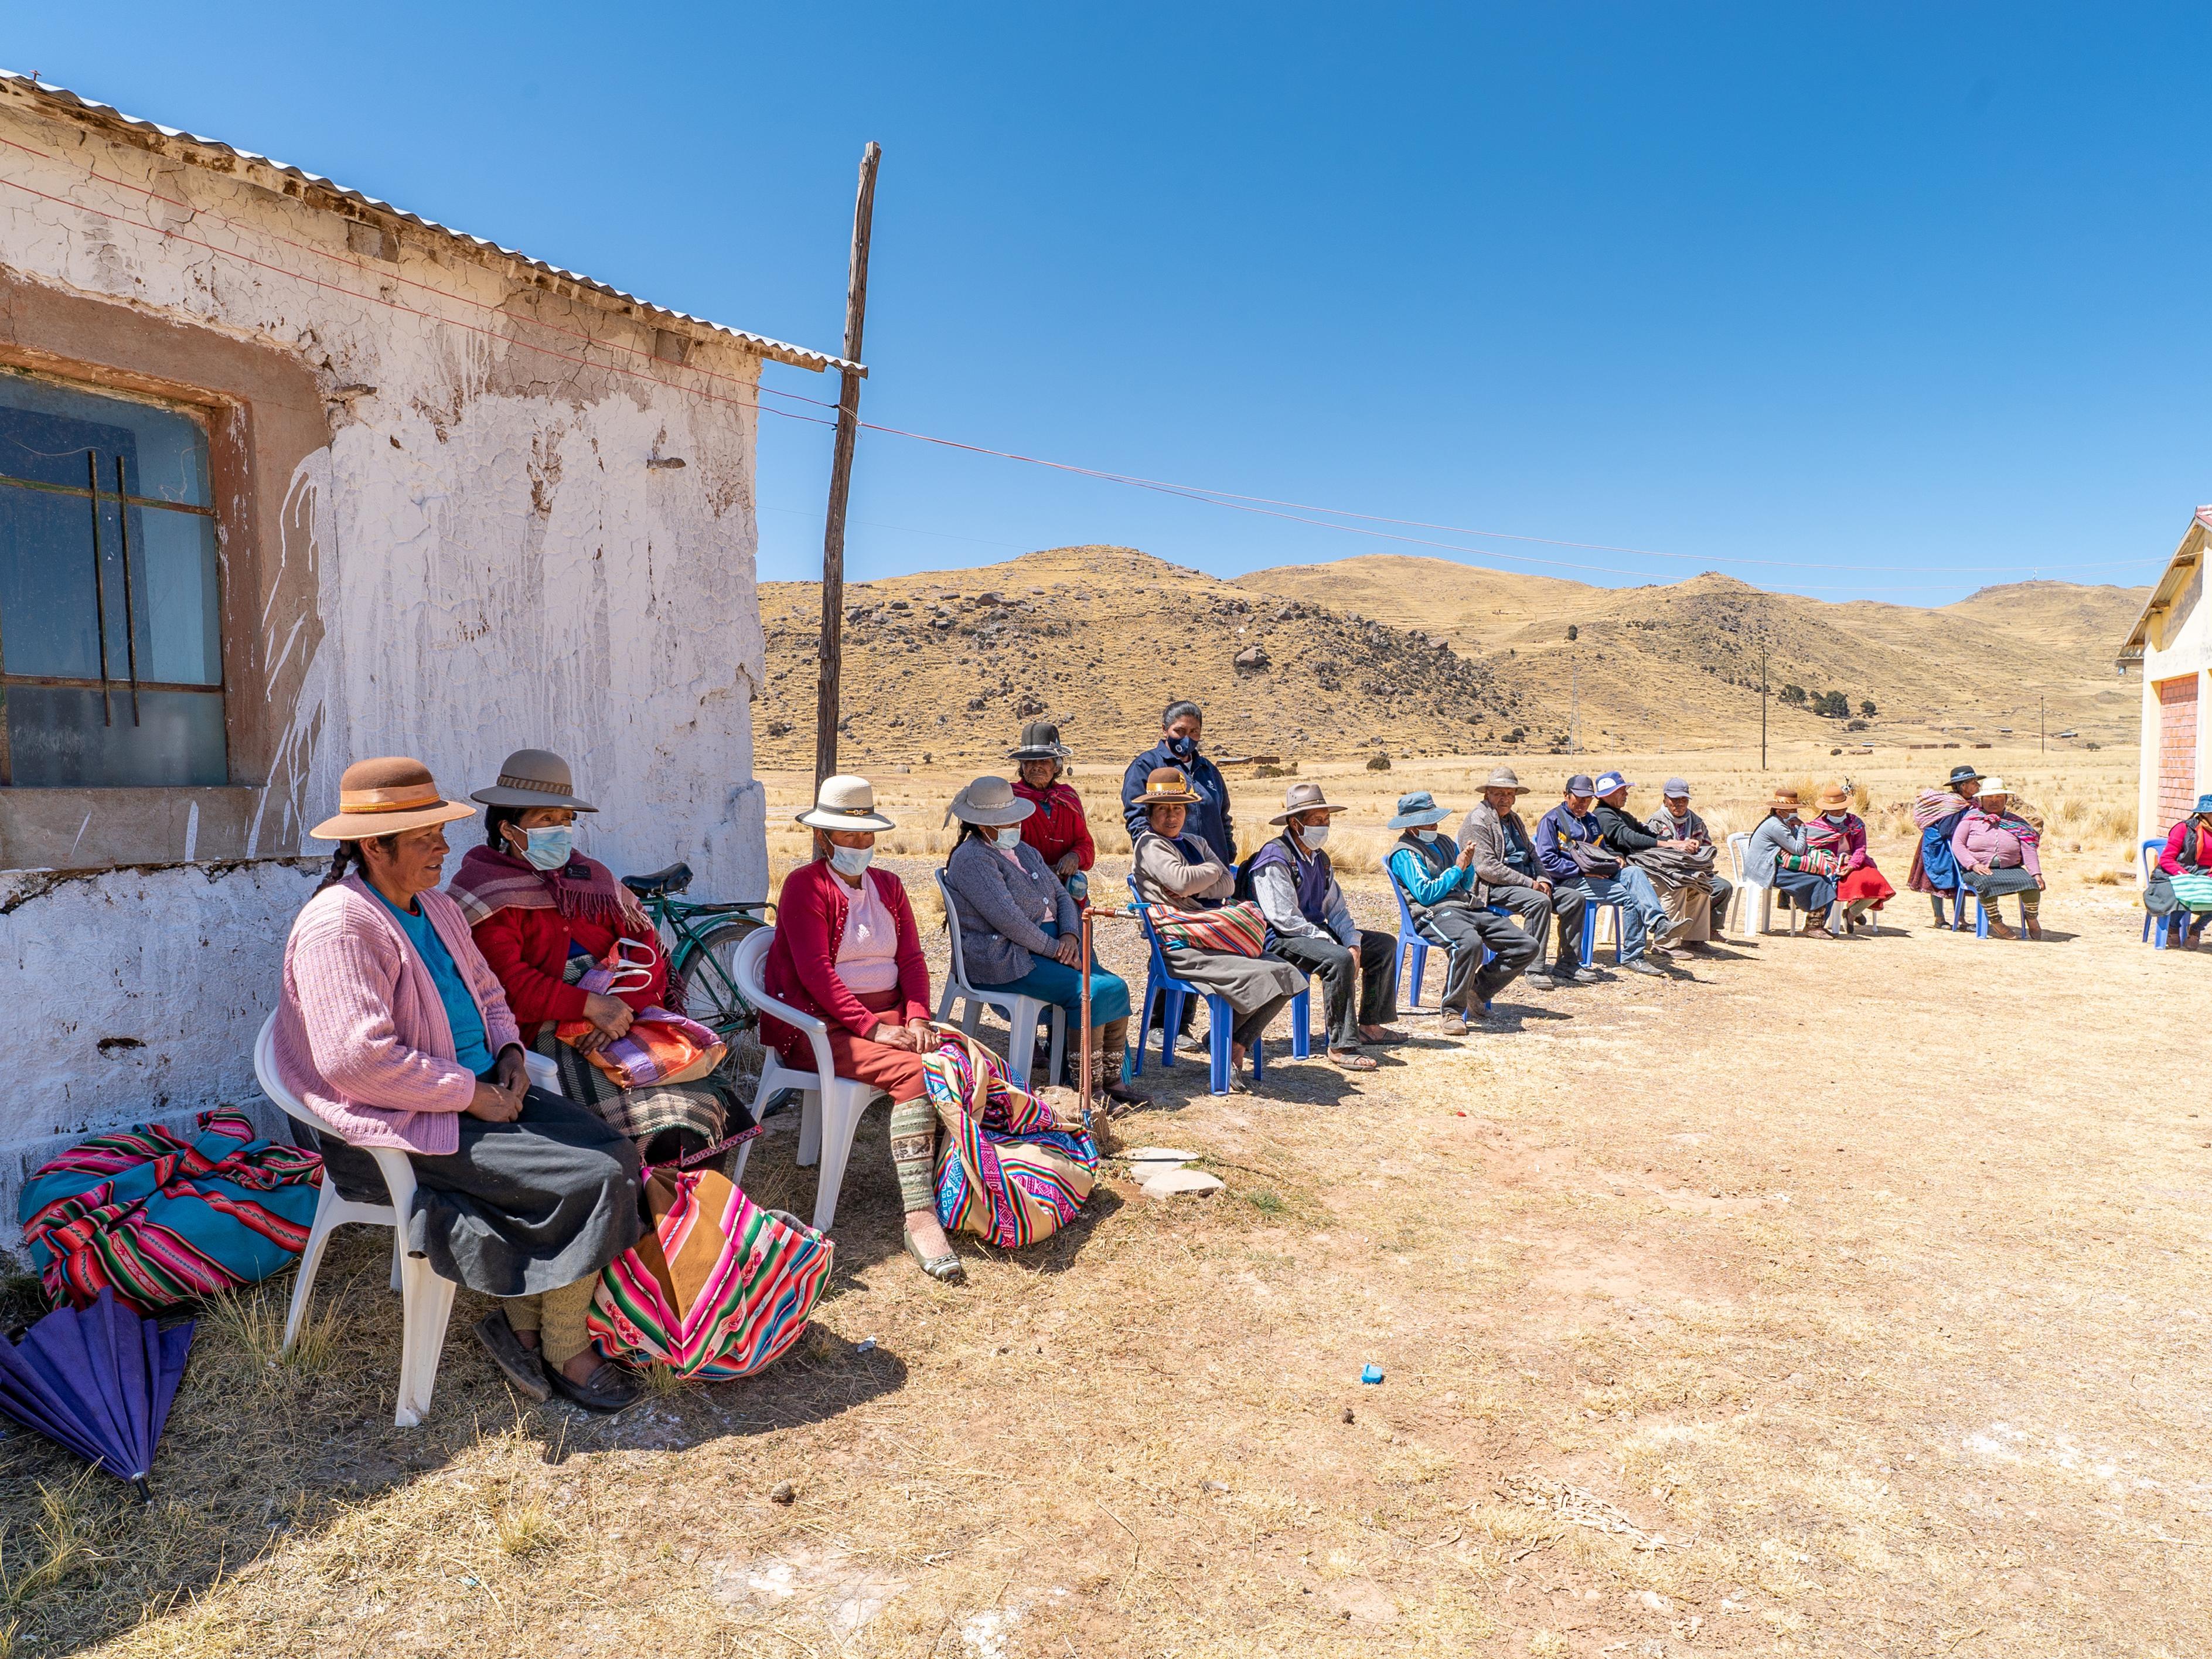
{"points": [[1167, 873], [1772, 838], [1004, 911], [1486, 832]]}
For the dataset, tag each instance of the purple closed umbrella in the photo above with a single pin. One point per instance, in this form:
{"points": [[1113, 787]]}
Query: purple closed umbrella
{"points": [[99, 1380]]}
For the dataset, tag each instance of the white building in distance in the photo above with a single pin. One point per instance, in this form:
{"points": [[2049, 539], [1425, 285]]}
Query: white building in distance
{"points": [[2172, 641]]}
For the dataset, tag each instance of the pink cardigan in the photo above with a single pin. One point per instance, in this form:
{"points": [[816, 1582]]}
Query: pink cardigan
{"points": [[361, 1037]]}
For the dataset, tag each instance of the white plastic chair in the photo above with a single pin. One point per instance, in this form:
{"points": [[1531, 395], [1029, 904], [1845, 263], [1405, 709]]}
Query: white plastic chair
{"points": [[1747, 884], [1022, 1012], [427, 1299], [830, 1107]]}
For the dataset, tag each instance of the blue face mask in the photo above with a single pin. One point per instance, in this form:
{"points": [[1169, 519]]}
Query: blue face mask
{"points": [[550, 849], [1183, 748]]}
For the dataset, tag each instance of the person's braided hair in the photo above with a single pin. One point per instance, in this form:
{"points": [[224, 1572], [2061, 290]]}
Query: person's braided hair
{"points": [[349, 858]]}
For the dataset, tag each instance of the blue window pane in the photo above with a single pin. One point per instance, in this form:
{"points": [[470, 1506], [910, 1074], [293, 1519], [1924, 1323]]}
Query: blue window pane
{"points": [[173, 596], [48, 616], [46, 431], [63, 737]]}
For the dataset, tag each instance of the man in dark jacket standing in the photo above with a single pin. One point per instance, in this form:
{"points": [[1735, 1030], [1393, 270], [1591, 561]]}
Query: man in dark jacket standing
{"points": [[1180, 727], [1497, 847]]}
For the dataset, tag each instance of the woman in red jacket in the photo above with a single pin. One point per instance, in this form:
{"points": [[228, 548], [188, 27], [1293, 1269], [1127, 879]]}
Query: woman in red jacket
{"points": [[1057, 829], [544, 916], [847, 952]]}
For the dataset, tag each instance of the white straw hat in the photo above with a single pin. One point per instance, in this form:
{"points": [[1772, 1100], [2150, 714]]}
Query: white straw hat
{"points": [[846, 802]]}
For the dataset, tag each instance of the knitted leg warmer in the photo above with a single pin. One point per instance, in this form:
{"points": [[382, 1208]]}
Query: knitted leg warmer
{"points": [[914, 1146]]}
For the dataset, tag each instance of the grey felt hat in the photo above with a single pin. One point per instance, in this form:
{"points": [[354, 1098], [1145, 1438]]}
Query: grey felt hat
{"points": [[990, 802], [533, 777]]}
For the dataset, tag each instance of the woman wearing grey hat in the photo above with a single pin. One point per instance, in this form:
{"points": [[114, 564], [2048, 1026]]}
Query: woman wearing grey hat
{"points": [[1058, 828], [1020, 931]]}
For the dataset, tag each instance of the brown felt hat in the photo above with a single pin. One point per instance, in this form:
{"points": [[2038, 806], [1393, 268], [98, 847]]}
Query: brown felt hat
{"points": [[1833, 798], [1303, 797], [1784, 801], [1165, 786], [385, 797]]}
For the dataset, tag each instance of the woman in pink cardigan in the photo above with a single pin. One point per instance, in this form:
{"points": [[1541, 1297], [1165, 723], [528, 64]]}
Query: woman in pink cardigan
{"points": [[392, 1028]]}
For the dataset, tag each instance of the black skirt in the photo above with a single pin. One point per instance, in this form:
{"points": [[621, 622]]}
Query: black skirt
{"points": [[515, 1209]]}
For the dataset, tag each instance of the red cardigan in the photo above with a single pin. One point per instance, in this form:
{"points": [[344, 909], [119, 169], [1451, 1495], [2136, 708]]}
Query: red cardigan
{"points": [[1058, 824], [529, 951], [801, 968]]}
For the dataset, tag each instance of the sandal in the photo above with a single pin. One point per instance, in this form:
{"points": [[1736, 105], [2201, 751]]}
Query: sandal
{"points": [[944, 1269], [1351, 1060]]}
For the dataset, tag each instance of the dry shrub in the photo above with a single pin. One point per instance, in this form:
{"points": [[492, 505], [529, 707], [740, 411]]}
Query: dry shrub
{"points": [[251, 1319]]}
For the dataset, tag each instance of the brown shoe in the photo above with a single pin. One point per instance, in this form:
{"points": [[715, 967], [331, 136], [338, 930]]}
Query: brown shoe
{"points": [[2034, 926], [2000, 928]]}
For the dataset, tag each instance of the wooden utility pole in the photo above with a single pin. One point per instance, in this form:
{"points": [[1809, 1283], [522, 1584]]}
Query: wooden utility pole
{"points": [[840, 476], [1762, 707], [2040, 747]]}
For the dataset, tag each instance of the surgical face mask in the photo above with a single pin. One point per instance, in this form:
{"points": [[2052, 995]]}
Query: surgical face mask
{"points": [[1183, 748], [1009, 838], [1425, 835], [1313, 834], [850, 861], [1836, 818], [549, 849]]}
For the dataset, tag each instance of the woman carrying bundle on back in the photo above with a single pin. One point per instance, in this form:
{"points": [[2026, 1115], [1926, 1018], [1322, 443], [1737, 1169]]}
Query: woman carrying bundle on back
{"points": [[1859, 886], [1935, 871]]}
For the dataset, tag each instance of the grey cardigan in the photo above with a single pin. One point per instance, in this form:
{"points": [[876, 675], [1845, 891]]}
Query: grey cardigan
{"points": [[1003, 911], [1772, 838]]}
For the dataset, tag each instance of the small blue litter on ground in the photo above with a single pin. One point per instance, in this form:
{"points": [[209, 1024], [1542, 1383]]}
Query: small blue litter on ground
{"points": [[1372, 1374]]}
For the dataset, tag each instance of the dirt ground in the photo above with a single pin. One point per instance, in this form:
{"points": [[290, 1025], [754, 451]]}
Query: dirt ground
{"points": [[1820, 1298]]}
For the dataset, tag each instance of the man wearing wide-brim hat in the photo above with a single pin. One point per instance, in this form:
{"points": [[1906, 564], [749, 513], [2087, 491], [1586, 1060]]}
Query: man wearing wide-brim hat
{"points": [[394, 1031], [1498, 849], [1057, 829], [1935, 871], [1310, 927], [1447, 902]]}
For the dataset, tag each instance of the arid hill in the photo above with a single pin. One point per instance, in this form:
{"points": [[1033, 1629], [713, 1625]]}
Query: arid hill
{"points": [[1420, 656]]}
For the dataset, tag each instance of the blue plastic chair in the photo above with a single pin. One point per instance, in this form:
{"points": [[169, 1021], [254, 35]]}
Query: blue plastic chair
{"points": [[1982, 916], [1590, 933], [2157, 929], [1221, 1018], [1413, 949]]}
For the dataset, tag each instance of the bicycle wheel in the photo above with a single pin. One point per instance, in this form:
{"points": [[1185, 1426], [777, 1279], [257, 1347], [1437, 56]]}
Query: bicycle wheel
{"points": [[703, 983]]}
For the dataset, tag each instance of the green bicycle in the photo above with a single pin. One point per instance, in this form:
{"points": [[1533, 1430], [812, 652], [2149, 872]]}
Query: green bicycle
{"points": [[700, 941]]}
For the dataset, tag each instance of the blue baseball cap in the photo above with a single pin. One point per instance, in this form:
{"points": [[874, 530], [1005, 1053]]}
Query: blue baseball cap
{"points": [[1580, 785], [1609, 781]]}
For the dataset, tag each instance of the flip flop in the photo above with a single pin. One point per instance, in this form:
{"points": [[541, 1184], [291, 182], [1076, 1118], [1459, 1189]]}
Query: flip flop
{"points": [[944, 1269], [1352, 1061]]}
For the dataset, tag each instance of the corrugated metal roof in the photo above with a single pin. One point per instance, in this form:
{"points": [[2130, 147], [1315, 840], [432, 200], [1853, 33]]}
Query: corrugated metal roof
{"points": [[227, 159], [2186, 557]]}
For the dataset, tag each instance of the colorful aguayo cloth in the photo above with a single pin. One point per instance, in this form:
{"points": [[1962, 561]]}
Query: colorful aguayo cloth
{"points": [[1006, 1171], [163, 1219], [718, 1289]]}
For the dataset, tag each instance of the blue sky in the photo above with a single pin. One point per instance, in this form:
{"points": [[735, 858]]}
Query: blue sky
{"points": [[1914, 287]]}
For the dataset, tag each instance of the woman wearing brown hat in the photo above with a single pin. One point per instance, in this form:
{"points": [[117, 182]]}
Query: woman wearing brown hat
{"points": [[1180, 870], [1840, 832], [1778, 852], [393, 1029], [545, 917]]}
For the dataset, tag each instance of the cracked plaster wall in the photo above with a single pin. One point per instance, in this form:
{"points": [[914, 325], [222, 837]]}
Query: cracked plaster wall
{"points": [[490, 563]]}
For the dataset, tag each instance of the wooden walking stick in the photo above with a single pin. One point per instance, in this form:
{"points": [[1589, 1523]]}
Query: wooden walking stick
{"points": [[1083, 1089]]}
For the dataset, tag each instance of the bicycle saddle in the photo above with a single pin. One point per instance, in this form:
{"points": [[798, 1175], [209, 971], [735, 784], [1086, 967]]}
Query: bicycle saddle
{"points": [[674, 879]]}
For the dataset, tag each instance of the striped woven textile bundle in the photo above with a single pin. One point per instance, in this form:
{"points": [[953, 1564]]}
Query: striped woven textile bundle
{"points": [[1006, 1171], [1933, 807], [1237, 928], [162, 1219], [718, 1289]]}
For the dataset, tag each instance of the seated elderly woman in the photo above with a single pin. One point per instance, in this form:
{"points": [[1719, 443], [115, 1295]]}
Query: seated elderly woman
{"points": [[1799, 876], [1182, 871], [846, 951], [1058, 828], [546, 917], [2186, 860], [392, 1028], [1995, 849], [1841, 832], [1935, 813], [1020, 931]]}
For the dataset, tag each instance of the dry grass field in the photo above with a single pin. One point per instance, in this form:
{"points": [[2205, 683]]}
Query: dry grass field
{"points": [[1820, 1298]]}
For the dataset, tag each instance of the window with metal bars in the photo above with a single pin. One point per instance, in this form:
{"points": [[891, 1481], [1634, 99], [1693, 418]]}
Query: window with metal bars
{"points": [[111, 647]]}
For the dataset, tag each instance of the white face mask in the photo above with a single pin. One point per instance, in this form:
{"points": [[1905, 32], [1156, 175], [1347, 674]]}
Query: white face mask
{"points": [[549, 849], [850, 861], [1313, 835], [1426, 835], [1010, 838]]}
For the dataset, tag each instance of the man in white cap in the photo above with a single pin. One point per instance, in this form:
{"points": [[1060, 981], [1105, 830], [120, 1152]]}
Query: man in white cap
{"points": [[1496, 846]]}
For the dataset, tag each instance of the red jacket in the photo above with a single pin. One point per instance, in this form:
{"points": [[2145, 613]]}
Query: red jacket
{"points": [[1058, 824], [529, 951], [801, 968], [2176, 842]]}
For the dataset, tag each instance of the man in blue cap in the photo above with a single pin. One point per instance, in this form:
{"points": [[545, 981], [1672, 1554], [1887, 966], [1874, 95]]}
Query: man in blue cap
{"points": [[1448, 902], [1571, 847]]}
